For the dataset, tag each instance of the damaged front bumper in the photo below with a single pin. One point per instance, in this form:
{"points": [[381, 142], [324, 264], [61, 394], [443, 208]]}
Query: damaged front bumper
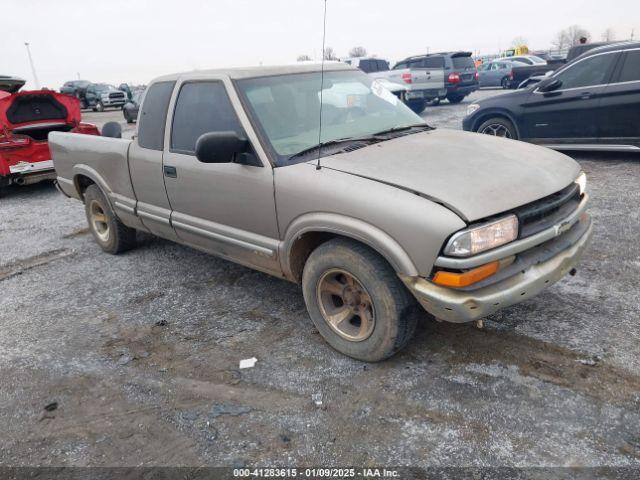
{"points": [[461, 306]]}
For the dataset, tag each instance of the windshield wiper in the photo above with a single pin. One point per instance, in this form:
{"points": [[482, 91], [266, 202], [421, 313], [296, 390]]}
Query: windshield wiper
{"points": [[331, 143], [400, 129]]}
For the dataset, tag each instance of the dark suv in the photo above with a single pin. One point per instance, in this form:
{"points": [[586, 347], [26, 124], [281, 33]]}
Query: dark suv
{"points": [[460, 72], [592, 103]]}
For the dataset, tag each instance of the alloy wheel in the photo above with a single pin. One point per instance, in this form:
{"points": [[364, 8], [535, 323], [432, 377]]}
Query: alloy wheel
{"points": [[99, 221], [346, 305]]}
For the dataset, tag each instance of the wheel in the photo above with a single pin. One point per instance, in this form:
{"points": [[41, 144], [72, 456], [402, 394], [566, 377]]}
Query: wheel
{"points": [[454, 98], [498, 127], [417, 106], [99, 106], [110, 233], [356, 301], [127, 117], [505, 83]]}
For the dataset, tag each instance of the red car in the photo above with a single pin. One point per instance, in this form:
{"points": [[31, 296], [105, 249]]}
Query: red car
{"points": [[26, 118]]}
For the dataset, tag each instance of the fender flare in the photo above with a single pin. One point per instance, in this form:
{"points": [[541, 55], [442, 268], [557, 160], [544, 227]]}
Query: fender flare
{"points": [[349, 227], [92, 174]]}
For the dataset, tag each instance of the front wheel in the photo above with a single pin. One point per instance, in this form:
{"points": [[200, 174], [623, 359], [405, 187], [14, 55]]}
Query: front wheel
{"points": [[498, 127], [108, 231], [99, 107], [356, 301]]}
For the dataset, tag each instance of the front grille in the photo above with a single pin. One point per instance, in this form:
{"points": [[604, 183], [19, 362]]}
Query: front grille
{"points": [[116, 95], [542, 214]]}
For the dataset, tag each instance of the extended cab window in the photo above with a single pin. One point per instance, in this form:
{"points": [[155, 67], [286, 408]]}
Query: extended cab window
{"points": [[631, 68], [588, 72], [153, 117], [202, 107]]}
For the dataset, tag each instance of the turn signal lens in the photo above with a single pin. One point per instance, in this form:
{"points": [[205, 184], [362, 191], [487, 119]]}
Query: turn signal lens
{"points": [[458, 280]]}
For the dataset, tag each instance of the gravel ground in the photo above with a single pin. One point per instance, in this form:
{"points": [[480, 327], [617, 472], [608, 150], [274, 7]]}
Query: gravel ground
{"points": [[141, 352]]}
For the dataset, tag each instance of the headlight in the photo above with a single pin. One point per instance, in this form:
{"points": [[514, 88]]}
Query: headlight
{"points": [[483, 237], [582, 183], [472, 108]]}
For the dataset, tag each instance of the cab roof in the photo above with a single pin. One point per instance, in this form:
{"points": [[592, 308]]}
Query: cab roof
{"points": [[254, 72]]}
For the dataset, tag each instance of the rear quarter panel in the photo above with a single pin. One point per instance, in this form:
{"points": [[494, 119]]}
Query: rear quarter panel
{"points": [[102, 159]]}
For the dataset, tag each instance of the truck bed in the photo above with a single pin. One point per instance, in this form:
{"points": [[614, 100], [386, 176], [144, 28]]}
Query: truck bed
{"points": [[102, 160]]}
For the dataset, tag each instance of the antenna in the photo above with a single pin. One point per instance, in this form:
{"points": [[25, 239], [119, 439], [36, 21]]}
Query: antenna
{"points": [[324, 36]]}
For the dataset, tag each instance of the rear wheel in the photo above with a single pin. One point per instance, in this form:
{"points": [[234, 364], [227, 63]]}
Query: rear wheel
{"points": [[455, 98], [108, 231], [498, 127], [417, 106], [356, 301]]}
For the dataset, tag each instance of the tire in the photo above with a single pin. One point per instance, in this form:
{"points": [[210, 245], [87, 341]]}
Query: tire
{"points": [[390, 310], [498, 127], [99, 106], [504, 83], [453, 98], [417, 106], [127, 117], [109, 233]]}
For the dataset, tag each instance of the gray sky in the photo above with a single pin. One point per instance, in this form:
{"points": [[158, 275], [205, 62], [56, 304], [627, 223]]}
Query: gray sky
{"points": [[140, 39]]}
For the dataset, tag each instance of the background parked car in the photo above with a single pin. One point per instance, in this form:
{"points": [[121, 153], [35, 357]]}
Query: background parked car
{"points": [[527, 59], [26, 119], [460, 73], [76, 88], [102, 95], [416, 83], [591, 103], [498, 73], [131, 108]]}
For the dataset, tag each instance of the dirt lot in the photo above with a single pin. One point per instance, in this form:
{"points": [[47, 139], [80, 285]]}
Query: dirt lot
{"points": [[141, 354]]}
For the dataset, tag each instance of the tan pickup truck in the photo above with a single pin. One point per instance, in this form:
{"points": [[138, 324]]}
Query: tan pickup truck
{"points": [[374, 211]]}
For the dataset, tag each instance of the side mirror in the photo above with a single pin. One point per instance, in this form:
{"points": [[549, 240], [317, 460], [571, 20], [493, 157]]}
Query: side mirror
{"points": [[550, 85], [220, 147]]}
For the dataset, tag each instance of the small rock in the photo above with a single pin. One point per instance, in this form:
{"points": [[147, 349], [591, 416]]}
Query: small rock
{"points": [[50, 407], [161, 323], [317, 398], [124, 359]]}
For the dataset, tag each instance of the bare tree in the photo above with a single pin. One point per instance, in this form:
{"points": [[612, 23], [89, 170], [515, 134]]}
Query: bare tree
{"points": [[357, 52], [303, 58], [570, 36], [329, 54], [609, 35], [516, 42]]}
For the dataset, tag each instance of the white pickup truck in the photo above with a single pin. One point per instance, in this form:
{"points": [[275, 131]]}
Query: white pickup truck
{"points": [[415, 86]]}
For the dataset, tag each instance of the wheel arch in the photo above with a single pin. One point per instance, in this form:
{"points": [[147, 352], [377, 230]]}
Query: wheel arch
{"points": [[306, 233], [83, 176]]}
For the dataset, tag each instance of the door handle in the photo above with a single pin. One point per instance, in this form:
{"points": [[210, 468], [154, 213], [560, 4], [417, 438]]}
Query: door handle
{"points": [[170, 171]]}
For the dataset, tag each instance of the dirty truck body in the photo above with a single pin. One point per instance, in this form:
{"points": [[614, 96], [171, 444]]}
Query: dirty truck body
{"points": [[227, 162]]}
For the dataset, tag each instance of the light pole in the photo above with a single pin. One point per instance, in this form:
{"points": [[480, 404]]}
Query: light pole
{"points": [[33, 69]]}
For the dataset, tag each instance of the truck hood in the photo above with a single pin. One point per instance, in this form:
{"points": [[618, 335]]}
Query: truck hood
{"points": [[476, 176], [38, 106]]}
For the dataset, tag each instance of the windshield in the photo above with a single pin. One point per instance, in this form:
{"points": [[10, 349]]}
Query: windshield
{"points": [[103, 87], [286, 109]]}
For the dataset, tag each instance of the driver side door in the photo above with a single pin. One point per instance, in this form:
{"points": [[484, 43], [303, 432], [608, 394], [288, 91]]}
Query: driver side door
{"points": [[568, 114], [227, 209]]}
